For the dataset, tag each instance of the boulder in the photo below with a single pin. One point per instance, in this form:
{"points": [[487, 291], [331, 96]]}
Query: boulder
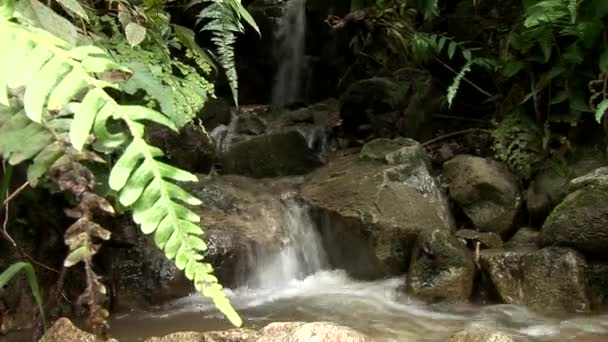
{"points": [[64, 330], [442, 268], [595, 178], [305, 332], [551, 279], [191, 149], [243, 220], [579, 221], [597, 273], [232, 335], [372, 206], [481, 335], [552, 183], [486, 191], [524, 236], [272, 155]]}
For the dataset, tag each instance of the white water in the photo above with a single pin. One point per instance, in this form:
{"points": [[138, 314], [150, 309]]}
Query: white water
{"points": [[290, 39], [302, 253], [295, 285], [223, 135]]}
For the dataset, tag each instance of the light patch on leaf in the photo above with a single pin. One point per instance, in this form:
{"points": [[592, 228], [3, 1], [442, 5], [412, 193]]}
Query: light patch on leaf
{"points": [[135, 33]]}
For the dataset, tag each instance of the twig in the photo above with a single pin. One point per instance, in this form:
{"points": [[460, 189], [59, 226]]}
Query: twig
{"points": [[16, 192], [453, 134], [463, 78]]}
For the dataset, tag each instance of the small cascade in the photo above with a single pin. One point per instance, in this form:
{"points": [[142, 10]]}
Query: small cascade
{"points": [[302, 253], [291, 37], [223, 135]]}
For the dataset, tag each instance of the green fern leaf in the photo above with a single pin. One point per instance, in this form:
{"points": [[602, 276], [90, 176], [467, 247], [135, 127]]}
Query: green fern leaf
{"points": [[601, 110], [453, 89]]}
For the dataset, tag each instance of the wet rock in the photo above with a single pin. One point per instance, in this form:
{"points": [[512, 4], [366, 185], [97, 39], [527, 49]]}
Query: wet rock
{"points": [[552, 184], [232, 335], [133, 258], [191, 149], [442, 268], [241, 217], [272, 155], [472, 237], [371, 212], [596, 178], [486, 191], [305, 332], [597, 273], [579, 221], [551, 279], [64, 330], [479, 335], [524, 236]]}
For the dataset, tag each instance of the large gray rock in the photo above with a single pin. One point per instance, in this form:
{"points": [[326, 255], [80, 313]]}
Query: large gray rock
{"points": [[524, 236], [579, 221], [64, 330], [480, 335], [306, 332], [552, 279], [485, 190], [371, 207], [272, 155], [232, 335], [554, 182], [442, 268]]}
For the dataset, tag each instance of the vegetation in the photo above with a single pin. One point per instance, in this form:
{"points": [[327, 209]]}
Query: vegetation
{"points": [[67, 102]]}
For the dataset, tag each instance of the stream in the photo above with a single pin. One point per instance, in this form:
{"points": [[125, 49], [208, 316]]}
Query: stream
{"points": [[296, 284]]}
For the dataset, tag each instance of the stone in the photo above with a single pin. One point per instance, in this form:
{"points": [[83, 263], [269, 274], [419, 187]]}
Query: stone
{"points": [[486, 191], [215, 112], [481, 335], [64, 330], [232, 335], [442, 268], [595, 178], [597, 274], [370, 212], [579, 221], [271, 155], [552, 184], [524, 236], [305, 332], [191, 149], [549, 280], [487, 240]]}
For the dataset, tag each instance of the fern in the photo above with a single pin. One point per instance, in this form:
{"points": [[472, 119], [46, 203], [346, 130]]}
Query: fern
{"points": [[54, 73], [223, 19]]}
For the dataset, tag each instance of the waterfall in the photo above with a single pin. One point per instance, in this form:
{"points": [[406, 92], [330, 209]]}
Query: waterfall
{"points": [[302, 253], [291, 36], [223, 135]]}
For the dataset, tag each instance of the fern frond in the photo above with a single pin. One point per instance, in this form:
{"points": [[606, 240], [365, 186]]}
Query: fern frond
{"points": [[452, 89], [53, 74], [223, 20]]}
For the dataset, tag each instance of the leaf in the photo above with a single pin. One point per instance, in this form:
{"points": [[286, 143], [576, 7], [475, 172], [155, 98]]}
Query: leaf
{"points": [[452, 49], [26, 268], [248, 18], [187, 37], [601, 110], [43, 161], [456, 83], [40, 86], [135, 33], [466, 54], [84, 118], [74, 7], [47, 19]]}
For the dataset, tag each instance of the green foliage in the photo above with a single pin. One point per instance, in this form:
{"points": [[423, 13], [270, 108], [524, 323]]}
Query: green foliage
{"points": [[176, 88], [559, 46], [32, 280], [518, 143], [55, 94], [223, 19]]}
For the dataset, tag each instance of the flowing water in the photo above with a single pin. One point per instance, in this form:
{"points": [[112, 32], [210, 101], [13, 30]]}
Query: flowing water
{"points": [[296, 284], [290, 39]]}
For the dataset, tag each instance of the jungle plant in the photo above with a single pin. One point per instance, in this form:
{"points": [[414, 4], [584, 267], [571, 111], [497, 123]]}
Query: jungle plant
{"points": [[25, 267], [59, 113]]}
